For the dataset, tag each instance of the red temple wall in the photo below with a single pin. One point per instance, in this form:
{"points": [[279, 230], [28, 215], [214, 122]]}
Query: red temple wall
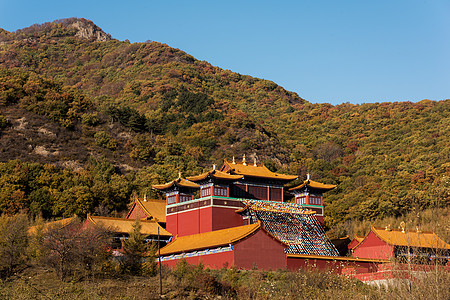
{"points": [[225, 218], [352, 244], [260, 250], [335, 266], [136, 212], [373, 247], [213, 261], [206, 223], [172, 224], [202, 220], [188, 222]]}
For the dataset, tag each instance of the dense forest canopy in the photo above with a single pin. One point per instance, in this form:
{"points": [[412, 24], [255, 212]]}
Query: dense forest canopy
{"points": [[86, 121]]}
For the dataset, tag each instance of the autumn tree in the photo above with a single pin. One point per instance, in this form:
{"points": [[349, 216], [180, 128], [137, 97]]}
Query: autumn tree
{"points": [[75, 248], [13, 243], [138, 254]]}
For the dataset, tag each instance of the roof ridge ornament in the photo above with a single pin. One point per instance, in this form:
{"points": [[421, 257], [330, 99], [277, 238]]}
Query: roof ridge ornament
{"points": [[243, 160], [254, 162], [179, 175], [214, 167], [388, 228], [145, 197], [233, 162], [402, 226], [307, 177]]}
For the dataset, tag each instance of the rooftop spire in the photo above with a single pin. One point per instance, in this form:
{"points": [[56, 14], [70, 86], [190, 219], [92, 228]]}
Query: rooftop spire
{"points": [[307, 176], [243, 160], [233, 162], [214, 166], [179, 175], [254, 162]]}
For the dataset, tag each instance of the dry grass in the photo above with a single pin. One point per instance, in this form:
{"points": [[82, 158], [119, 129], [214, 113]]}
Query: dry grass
{"points": [[196, 282]]}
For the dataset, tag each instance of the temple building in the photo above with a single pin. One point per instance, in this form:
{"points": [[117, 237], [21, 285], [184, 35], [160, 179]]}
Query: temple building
{"points": [[237, 215], [120, 228], [148, 209], [220, 194], [241, 218], [416, 246], [309, 195]]}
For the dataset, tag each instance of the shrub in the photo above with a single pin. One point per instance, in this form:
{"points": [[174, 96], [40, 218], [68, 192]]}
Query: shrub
{"points": [[4, 122], [103, 139], [90, 119]]}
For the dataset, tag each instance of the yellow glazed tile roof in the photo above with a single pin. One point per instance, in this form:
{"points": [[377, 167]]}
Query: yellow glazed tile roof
{"points": [[215, 174], [62, 223], [256, 171], [314, 185], [359, 239], [209, 239], [153, 208], [179, 182], [126, 225], [412, 238]]}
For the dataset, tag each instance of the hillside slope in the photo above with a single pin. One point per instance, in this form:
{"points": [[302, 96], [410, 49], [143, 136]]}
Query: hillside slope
{"points": [[69, 93]]}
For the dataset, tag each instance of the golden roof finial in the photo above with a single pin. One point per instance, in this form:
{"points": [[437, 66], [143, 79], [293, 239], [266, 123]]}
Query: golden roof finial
{"points": [[243, 160], [145, 197], [388, 228], [254, 162], [179, 175], [233, 162], [402, 226], [214, 167], [307, 176]]}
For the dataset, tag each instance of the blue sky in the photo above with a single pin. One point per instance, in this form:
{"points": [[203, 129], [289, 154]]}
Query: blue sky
{"points": [[326, 51]]}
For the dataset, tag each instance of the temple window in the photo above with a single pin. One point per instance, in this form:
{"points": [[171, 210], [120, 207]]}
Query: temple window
{"points": [[275, 194], [206, 192], [171, 199], [301, 200], [257, 192], [184, 198], [238, 191], [220, 191]]}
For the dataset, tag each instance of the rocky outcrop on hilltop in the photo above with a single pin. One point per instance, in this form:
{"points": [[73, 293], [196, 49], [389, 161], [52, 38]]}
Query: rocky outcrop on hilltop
{"points": [[88, 30]]}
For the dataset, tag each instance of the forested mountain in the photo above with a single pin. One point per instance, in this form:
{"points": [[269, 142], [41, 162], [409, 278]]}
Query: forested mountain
{"points": [[86, 120]]}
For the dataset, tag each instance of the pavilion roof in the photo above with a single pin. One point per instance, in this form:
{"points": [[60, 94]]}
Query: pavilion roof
{"points": [[216, 174], [60, 223], [210, 239], [355, 242], [314, 185], [409, 238], [154, 208], [119, 225], [254, 170], [180, 182]]}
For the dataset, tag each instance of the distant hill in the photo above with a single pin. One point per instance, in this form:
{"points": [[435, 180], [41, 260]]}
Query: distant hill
{"points": [[122, 116]]}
